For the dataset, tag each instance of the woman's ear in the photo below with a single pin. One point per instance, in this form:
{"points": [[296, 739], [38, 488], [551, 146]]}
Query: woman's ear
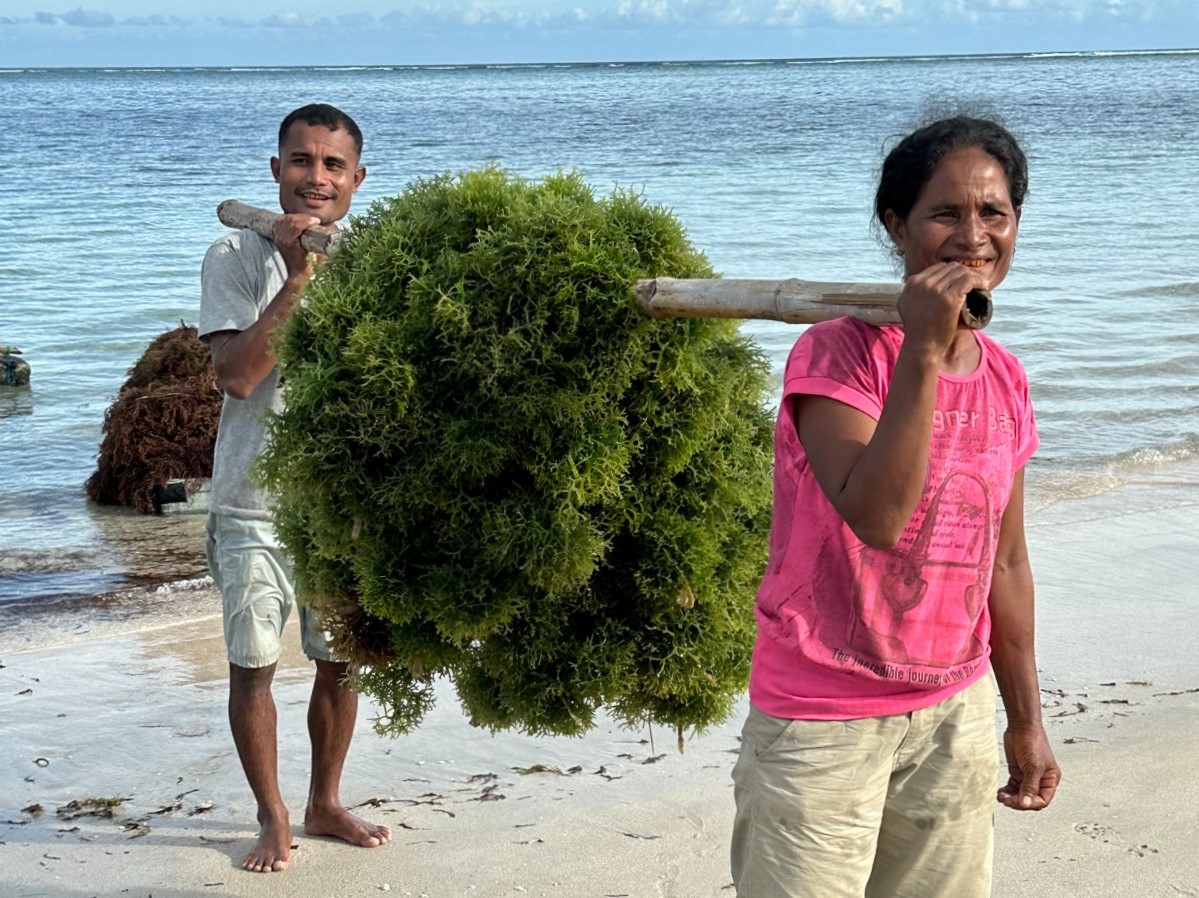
{"points": [[896, 230]]}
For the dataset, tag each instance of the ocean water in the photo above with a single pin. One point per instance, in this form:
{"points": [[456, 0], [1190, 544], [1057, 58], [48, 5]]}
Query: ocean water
{"points": [[116, 174]]}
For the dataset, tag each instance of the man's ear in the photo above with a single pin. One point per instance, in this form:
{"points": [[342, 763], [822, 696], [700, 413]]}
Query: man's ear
{"points": [[359, 177], [276, 168]]}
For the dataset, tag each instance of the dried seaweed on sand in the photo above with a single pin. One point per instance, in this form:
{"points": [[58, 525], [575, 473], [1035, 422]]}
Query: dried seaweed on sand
{"points": [[162, 425]]}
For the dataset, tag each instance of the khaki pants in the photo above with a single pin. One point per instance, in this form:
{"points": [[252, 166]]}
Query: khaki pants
{"points": [[886, 807]]}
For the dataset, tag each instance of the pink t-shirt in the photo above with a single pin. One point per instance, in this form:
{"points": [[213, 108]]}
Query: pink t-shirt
{"points": [[846, 631]]}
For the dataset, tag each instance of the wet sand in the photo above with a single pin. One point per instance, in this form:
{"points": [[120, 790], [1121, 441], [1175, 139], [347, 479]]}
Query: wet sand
{"points": [[139, 715]]}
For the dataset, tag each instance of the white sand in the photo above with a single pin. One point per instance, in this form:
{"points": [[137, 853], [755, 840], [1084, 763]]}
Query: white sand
{"points": [[140, 715]]}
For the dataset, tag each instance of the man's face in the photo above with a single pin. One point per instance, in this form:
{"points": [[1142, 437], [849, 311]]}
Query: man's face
{"points": [[318, 172]]}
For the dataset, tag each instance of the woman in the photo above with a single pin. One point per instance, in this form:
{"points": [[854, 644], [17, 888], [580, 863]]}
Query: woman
{"points": [[898, 569]]}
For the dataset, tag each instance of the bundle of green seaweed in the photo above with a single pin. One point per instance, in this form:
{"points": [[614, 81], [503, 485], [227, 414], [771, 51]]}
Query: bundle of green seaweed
{"points": [[492, 467], [162, 425]]}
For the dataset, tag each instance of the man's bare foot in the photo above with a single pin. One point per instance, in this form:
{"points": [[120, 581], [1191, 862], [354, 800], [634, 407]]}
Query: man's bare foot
{"points": [[272, 851], [338, 823]]}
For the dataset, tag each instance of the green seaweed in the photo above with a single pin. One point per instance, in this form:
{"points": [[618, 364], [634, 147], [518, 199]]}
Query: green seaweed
{"points": [[492, 467]]}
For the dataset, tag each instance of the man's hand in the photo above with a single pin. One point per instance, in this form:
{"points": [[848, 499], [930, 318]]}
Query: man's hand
{"points": [[288, 228], [1033, 774]]}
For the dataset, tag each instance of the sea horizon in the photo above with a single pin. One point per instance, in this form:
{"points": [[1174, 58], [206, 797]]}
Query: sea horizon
{"points": [[623, 63]]}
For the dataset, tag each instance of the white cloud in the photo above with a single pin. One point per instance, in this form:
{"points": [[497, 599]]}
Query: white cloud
{"points": [[246, 32], [582, 14], [288, 19]]}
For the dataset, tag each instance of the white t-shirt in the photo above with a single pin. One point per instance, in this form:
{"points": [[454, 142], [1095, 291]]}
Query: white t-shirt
{"points": [[242, 273]]}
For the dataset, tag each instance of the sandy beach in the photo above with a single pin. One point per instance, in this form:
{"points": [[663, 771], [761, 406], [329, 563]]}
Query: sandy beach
{"points": [[135, 710]]}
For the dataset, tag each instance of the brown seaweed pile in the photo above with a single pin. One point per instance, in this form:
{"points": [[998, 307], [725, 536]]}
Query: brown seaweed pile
{"points": [[162, 425]]}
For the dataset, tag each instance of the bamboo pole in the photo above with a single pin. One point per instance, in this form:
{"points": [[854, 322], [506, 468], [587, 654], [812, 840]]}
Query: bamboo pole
{"points": [[793, 301], [234, 214]]}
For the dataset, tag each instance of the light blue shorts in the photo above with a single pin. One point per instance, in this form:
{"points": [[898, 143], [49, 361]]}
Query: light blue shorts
{"points": [[254, 576]]}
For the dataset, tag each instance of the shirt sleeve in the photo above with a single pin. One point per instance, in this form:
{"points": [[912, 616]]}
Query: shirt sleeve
{"points": [[228, 291], [837, 360]]}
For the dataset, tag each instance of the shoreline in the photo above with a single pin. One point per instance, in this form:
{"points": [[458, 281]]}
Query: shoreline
{"points": [[135, 709]]}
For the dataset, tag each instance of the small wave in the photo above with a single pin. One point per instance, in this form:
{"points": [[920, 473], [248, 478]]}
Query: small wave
{"points": [[1187, 51], [1060, 54], [183, 585], [47, 561], [1182, 288], [1052, 481]]}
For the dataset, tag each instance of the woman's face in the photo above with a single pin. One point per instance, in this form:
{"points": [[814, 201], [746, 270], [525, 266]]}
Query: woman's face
{"points": [[964, 215]]}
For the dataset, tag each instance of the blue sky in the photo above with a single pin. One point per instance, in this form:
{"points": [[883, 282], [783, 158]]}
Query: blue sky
{"points": [[379, 32]]}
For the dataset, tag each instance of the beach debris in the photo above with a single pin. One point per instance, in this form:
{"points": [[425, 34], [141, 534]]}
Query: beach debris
{"points": [[490, 794], [371, 803], [25, 692], [1079, 708], [42, 762], [162, 425], [138, 827], [647, 838], [543, 768], [219, 840], [654, 759], [89, 807], [202, 808], [427, 798], [168, 808], [33, 810], [564, 504], [14, 370]]}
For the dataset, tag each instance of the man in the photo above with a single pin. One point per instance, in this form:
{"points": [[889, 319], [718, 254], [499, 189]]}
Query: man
{"points": [[249, 286]]}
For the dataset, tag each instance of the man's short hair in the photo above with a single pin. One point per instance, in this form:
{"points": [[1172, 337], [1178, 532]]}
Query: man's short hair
{"points": [[326, 116]]}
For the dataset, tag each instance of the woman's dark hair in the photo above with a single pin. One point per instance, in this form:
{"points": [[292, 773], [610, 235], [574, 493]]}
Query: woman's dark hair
{"points": [[910, 165]]}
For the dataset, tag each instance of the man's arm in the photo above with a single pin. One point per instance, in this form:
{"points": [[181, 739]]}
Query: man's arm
{"points": [[1033, 774], [243, 359]]}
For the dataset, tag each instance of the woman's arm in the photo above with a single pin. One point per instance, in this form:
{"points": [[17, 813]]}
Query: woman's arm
{"points": [[1033, 774], [873, 472]]}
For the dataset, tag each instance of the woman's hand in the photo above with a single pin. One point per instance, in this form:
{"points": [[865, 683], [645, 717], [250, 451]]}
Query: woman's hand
{"points": [[931, 304]]}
